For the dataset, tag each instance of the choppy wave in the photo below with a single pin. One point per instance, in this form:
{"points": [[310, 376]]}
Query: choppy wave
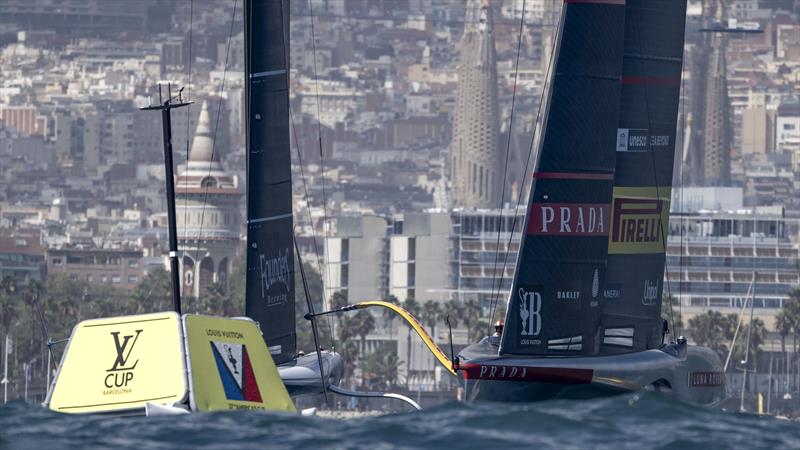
{"points": [[627, 422]]}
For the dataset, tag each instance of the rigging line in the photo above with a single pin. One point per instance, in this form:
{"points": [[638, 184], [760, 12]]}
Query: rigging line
{"points": [[188, 123], [492, 297], [652, 153], [528, 160], [319, 142], [319, 119], [214, 142], [310, 220], [287, 49], [683, 205], [310, 306]]}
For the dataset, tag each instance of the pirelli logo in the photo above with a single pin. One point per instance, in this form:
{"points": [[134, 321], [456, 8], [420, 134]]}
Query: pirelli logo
{"points": [[639, 217]]}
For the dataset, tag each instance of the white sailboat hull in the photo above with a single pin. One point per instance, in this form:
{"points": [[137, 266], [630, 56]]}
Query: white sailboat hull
{"points": [[302, 376]]}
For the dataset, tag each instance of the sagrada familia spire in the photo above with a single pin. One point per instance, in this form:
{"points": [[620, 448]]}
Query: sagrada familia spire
{"points": [[475, 169], [716, 123]]}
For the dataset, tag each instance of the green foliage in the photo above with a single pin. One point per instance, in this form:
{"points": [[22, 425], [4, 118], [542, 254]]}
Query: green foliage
{"points": [[431, 311], [715, 330], [787, 321], [379, 368], [670, 311]]}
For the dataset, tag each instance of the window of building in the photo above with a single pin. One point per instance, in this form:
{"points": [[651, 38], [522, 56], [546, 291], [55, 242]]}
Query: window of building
{"points": [[133, 263], [344, 275], [104, 278], [89, 278], [345, 250], [133, 279], [116, 279], [58, 262]]}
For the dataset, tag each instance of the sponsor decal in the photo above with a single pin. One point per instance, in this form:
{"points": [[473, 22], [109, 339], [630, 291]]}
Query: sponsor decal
{"points": [[612, 291], [568, 219], [639, 140], [236, 372], [638, 217], [522, 373], [530, 307], [275, 277], [572, 291], [121, 371], [650, 294], [706, 379], [595, 287], [568, 295]]}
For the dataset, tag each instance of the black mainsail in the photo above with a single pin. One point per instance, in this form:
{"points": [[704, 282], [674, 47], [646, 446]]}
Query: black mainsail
{"points": [[270, 296], [645, 152], [589, 272], [553, 308]]}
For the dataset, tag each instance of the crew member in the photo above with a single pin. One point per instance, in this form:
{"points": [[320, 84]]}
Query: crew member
{"points": [[498, 328]]}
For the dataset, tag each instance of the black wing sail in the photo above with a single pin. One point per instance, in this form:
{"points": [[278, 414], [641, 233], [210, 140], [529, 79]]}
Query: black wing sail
{"points": [[651, 79], [553, 308], [270, 255]]}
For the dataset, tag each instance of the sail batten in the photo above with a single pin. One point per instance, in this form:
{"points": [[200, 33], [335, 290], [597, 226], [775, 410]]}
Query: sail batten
{"points": [[270, 296]]}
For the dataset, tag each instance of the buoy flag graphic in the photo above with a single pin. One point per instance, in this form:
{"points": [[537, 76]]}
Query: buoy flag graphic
{"points": [[235, 371]]}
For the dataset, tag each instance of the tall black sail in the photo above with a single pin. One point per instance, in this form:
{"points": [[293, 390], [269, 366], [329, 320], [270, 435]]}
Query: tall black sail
{"points": [[553, 308], [270, 254], [651, 79]]}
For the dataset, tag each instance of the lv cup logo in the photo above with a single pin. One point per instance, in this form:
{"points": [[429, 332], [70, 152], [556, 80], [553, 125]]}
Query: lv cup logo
{"points": [[530, 305], [122, 370]]}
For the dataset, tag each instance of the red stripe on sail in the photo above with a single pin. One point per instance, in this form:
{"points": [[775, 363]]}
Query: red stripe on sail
{"points": [[572, 176], [654, 81], [522, 373], [601, 2]]}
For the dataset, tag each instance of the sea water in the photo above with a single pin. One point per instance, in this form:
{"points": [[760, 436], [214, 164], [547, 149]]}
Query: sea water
{"points": [[634, 421]]}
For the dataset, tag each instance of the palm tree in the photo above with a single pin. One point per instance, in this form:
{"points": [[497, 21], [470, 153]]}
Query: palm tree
{"points": [[362, 324], [430, 314], [389, 315], [412, 306], [783, 325], [7, 304], [710, 330], [471, 315]]}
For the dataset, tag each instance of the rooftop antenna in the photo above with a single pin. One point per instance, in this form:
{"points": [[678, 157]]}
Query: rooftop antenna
{"points": [[165, 106]]}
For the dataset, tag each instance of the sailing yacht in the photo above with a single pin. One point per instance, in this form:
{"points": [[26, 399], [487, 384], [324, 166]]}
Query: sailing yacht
{"points": [[584, 314], [270, 291]]}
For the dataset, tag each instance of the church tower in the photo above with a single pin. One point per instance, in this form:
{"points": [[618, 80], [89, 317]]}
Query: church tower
{"points": [[475, 170], [208, 236]]}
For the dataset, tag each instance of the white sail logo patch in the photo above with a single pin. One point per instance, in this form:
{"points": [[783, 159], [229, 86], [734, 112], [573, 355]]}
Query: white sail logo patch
{"points": [[274, 270], [530, 306], [650, 294]]}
